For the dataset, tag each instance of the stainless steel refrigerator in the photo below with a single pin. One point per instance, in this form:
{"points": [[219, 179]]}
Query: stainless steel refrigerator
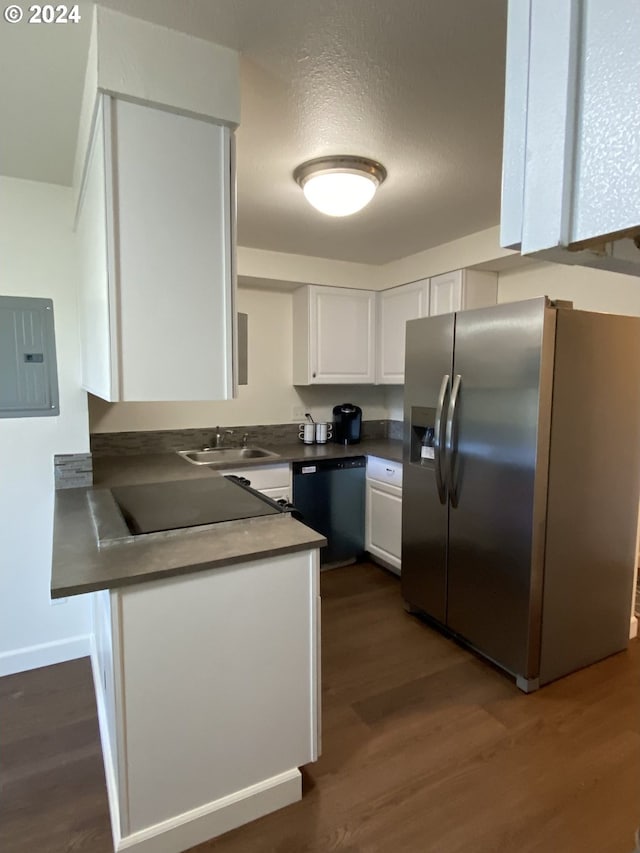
{"points": [[519, 535]]}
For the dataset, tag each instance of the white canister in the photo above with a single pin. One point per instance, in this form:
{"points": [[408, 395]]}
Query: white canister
{"points": [[323, 432], [307, 433]]}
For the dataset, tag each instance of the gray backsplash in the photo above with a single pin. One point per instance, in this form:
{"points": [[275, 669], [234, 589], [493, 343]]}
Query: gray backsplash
{"points": [[72, 470], [165, 441], [395, 430]]}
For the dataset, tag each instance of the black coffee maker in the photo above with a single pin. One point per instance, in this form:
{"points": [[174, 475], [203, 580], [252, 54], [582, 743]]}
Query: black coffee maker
{"points": [[347, 423]]}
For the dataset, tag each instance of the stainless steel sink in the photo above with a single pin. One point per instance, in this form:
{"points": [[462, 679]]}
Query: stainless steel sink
{"points": [[225, 455]]}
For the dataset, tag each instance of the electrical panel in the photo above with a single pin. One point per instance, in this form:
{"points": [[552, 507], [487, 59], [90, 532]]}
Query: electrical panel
{"points": [[28, 373]]}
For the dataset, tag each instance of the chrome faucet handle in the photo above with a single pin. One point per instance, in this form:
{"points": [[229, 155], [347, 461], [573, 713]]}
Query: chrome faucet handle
{"points": [[245, 439], [220, 436]]}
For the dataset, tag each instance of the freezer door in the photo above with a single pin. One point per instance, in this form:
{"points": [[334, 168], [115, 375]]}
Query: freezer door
{"points": [[497, 454], [428, 363]]}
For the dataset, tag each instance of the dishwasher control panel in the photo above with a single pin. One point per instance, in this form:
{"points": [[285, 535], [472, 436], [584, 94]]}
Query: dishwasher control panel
{"points": [[358, 462], [329, 465]]}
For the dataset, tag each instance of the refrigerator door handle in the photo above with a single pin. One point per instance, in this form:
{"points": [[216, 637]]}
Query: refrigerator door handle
{"points": [[451, 441], [439, 439]]}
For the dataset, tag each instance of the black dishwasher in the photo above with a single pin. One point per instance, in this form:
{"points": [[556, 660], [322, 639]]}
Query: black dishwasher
{"points": [[330, 495]]}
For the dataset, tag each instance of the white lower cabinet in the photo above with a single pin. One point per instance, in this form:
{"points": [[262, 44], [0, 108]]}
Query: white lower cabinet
{"points": [[383, 524], [279, 494], [272, 480], [208, 690]]}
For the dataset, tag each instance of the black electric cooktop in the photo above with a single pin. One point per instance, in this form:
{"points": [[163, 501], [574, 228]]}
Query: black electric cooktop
{"points": [[153, 507]]}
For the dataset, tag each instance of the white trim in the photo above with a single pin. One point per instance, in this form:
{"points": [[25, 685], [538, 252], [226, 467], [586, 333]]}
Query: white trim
{"points": [[214, 818], [44, 654], [633, 628], [107, 752], [197, 825]]}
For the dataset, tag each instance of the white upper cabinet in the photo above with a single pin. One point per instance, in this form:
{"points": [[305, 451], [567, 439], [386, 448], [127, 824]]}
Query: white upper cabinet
{"points": [[395, 307], [462, 289], [333, 336], [155, 228], [571, 183]]}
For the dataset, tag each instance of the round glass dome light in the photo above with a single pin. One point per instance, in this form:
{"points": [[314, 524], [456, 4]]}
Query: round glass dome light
{"points": [[339, 186]]}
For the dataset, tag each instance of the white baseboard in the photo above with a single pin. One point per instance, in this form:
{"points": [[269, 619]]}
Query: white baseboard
{"points": [[44, 654], [198, 825], [107, 751], [633, 628]]}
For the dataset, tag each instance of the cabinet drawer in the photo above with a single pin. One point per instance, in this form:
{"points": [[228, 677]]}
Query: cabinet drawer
{"points": [[279, 494], [264, 477], [384, 471]]}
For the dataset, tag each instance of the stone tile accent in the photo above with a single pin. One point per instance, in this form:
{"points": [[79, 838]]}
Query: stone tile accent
{"points": [[72, 470], [166, 441]]}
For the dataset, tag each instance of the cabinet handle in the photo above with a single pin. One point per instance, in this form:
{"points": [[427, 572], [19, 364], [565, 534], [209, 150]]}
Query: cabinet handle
{"points": [[390, 470], [314, 376]]}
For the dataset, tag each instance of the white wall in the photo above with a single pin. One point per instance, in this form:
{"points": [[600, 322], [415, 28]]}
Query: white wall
{"points": [[589, 289], [37, 260], [262, 267], [269, 398], [394, 399], [480, 247]]}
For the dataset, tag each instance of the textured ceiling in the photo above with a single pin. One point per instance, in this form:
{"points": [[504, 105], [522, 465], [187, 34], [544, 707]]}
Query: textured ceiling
{"points": [[415, 84]]}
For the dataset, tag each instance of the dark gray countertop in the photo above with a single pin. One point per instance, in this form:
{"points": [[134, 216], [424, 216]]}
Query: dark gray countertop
{"points": [[385, 448], [156, 467], [80, 566]]}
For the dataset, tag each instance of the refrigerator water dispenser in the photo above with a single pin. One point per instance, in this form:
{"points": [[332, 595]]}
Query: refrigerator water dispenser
{"points": [[422, 435]]}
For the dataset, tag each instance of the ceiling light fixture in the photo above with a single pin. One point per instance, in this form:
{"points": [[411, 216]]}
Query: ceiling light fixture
{"points": [[339, 185]]}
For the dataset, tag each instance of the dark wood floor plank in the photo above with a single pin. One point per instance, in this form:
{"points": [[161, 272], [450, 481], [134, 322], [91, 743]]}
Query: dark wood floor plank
{"points": [[426, 749], [42, 700]]}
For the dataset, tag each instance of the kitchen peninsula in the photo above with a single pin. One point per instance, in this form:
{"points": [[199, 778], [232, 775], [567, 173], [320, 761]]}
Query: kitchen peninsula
{"points": [[205, 659]]}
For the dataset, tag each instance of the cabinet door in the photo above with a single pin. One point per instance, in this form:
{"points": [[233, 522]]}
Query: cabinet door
{"points": [[395, 307], [567, 132], [463, 289], [479, 289], [172, 195], [342, 329], [383, 529], [446, 293], [96, 297]]}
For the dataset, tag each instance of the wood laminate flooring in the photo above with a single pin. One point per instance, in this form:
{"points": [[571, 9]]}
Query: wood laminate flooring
{"points": [[426, 749]]}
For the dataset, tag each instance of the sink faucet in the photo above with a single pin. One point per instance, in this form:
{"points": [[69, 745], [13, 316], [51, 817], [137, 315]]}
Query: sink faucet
{"points": [[220, 436]]}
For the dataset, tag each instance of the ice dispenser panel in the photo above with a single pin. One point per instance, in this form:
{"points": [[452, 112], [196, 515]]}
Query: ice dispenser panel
{"points": [[422, 435]]}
